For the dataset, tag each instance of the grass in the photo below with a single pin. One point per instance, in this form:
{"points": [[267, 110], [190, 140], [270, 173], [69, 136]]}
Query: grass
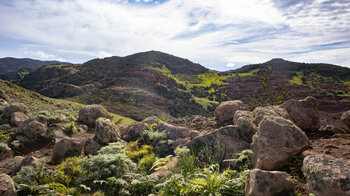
{"points": [[62, 65], [297, 79], [204, 101]]}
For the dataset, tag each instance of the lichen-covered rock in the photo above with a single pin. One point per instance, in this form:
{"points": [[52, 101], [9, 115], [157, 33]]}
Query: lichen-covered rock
{"points": [[91, 147], [260, 112], [241, 113], [226, 141], [31, 131], [106, 131], [90, 113], [327, 175], [15, 107], [225, 111], [173, 132], [5, 152], [132, 132], [67, 147], [304, 113], [248, 129], [17, 118], [262, 183], [9, 166], [7, 187], [345, 118], [276, 142]]}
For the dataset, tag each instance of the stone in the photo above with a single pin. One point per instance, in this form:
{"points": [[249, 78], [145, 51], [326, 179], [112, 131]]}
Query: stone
{"points": [[91, 147], [67, 147], [276, 142], [5, 152], [262, 183], [106, 131], [182, 141], [195, 134], [17, 118], [225, 111], [15, 107], [327, 175], [303, 113], [2, 95], [260, 112], [3, 102], [345, 118], [241, 113], [248, 129], [226, 141], [173, 132], [31, 131], [132, 132], [10, 166], [90, 113], [7, 187]]}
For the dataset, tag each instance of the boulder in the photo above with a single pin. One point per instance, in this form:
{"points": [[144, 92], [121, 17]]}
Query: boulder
{"points": [[29, 161], [3, 102], [90, 113], [327, 175], [5, 152], [91, 147], [225, 111], [10, 166], [106, 131], [67, 147], [195, 134], [260, 112], [7, 187], [262, 183], [276, 142], [241, 113], [304, 113], [174, 132], [345, 118], [182, 141], [248, 129], [2, 95], [227, 141], [31, 131], [132, 132], [17, 118], [15, 107]]}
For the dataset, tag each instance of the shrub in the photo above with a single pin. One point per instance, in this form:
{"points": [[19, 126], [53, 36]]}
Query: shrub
{"points": [[146, 163], [186, 161], [142, 185], [70, 128], [135, 153], [5, 127], [69, 171], [50, 118]]}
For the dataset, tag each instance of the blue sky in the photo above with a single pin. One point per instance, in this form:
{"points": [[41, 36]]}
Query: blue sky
{"points": [[219, 34]]}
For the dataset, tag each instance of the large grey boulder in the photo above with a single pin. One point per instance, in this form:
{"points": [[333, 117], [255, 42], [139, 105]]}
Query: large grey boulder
{"points": [[227, 141], [31, 131], [174, 132], [91, 147], [15, 107], [260, 112], [242, 114], [345, 118], [90, 113], [67, 147], [263, 183], [17, 118], [327, 175], [106, 131], [7, 187], [304, 113], [276, 142], [3, 102], [132, 132], [3, 95], [10, 166], [225, 111]]}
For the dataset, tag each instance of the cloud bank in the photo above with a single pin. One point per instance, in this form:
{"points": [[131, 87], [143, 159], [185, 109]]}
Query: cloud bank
{"points": [[220, 34]]}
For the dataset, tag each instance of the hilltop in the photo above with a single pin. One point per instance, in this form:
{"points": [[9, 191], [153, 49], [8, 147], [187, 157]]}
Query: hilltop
{"points": [[156, 83]]}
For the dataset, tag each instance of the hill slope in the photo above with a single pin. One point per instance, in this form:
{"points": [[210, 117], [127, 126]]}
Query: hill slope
{"points": [[155, 83], [14, 68]]}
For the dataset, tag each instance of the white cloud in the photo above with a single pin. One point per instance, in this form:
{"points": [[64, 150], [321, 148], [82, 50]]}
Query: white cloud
{"points": [[43, 55], [213, 33]]}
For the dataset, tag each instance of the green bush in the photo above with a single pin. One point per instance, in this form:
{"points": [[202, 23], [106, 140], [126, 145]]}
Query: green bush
{"points": [[50, 118], [186, 161], [142, 185], [69, 171], [146, 163], [70, 128], [134, 152], [5, 127]]}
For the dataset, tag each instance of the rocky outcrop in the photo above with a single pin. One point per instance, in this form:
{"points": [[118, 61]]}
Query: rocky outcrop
{"points": [[106, 131], [67, 147], [260, 112], [5, 152], [345, 118], [7, 187], [304, 113], [225, 111], [91, 147], [262, 183], [31, 131], [227, 141], [327, 175], [90, 113], [242, 113], [15, 107], [276, 142], [17, 118]]}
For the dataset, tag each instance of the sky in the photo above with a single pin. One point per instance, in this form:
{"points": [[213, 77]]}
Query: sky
{"points": [[218, 34]]}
